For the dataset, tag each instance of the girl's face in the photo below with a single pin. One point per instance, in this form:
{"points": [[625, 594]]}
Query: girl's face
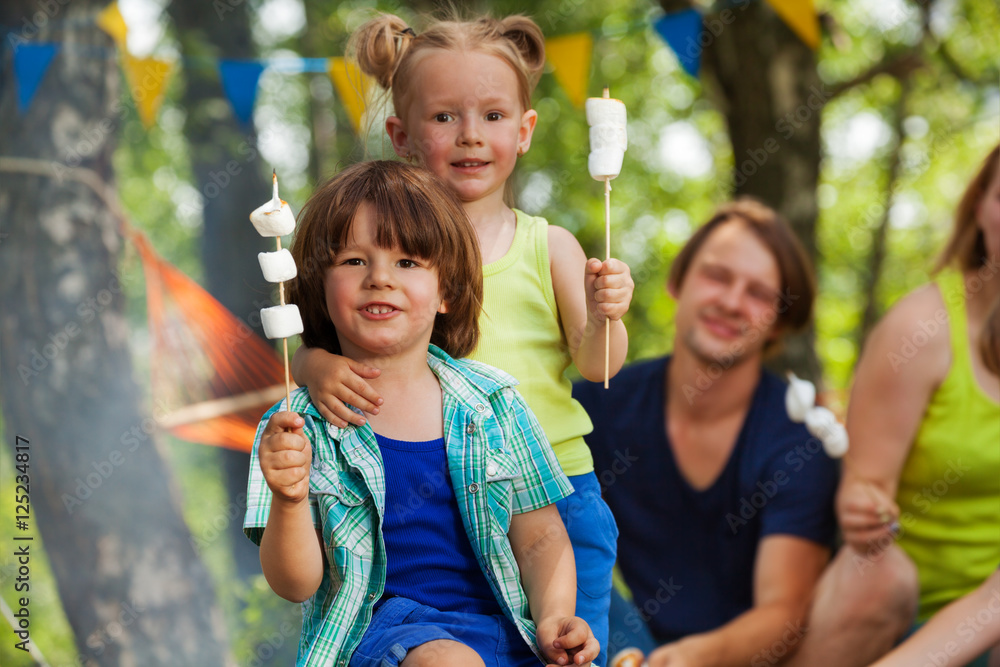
{"points": [[383, 302], [988, 215], [464, 122]]}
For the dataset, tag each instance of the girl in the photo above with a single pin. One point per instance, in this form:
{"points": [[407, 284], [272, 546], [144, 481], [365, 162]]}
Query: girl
{"points": [[545, 304], [408, 539]]}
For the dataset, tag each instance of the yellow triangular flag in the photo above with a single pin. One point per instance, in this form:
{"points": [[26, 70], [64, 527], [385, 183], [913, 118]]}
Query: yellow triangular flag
{"points": [[147, 77], [800, 16], [570, 59], [110, 21], [352, 87]]}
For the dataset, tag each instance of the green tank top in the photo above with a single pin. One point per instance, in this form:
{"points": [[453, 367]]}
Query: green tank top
{"points": [[520, 332], [949, 491]]}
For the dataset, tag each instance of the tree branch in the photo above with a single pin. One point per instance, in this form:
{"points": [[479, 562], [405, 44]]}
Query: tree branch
{"points": [[899, 65]]}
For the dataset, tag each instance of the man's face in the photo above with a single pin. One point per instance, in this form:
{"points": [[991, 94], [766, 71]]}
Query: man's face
{"points": [[728, 305]]}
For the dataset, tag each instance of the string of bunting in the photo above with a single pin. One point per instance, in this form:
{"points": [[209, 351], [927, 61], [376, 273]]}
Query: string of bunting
{"points": [[569, 57]]}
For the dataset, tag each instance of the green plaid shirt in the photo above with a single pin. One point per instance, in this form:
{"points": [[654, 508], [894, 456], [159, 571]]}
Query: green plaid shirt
{"points": [[500, 464]]}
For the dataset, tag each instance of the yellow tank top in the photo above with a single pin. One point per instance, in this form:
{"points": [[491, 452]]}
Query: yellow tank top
{"points": [[521, 333], [950, 484]]}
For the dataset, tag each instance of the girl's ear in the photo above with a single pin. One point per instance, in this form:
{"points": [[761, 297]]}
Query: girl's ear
{"points": [[443, 308], [528, 120], [398, 136]]}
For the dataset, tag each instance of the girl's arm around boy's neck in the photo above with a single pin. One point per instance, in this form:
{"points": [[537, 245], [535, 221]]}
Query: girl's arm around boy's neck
{"points": [[590, 295]]}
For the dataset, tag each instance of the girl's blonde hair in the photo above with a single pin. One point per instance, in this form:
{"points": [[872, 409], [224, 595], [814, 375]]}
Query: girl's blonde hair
{"points": [[966, 250], [388, 49], [412, 210]]}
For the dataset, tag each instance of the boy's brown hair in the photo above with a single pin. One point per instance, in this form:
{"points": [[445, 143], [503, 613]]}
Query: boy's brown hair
{"points": [[412, 210], [798, 285]]}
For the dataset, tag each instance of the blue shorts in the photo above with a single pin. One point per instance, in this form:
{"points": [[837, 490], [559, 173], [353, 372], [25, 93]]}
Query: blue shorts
{"points": [[401, 624], [594, 535]]}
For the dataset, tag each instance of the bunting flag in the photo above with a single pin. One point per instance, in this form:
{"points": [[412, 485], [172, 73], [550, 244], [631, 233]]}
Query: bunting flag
{"points": [[352, 87], [570, 59], [110, 20], [682, 32], [31, 61], [800, 16], [239, 81], [147, 77]]}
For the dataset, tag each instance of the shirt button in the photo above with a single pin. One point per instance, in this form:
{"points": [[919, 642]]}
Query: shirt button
{"points": [[471, 428], [371, 596], [480, 407], [473, 488], [491, 470]]}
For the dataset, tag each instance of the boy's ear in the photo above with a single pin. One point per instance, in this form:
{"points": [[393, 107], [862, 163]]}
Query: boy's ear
{"points": [[397, 135]]}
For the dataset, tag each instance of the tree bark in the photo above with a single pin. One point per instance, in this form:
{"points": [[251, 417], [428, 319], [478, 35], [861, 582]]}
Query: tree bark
{"points": [[226, 166], [133, 589]]}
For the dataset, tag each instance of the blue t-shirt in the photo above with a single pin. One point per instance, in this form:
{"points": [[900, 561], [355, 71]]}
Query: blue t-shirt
{"points": [[428, 555], [688, 555]]}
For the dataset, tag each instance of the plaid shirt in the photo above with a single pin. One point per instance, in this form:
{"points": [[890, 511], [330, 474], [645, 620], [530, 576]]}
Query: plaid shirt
{"points": [[499, 462]]}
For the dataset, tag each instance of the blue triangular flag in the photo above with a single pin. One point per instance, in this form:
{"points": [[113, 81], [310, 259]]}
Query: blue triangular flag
{"points": [[682, 31], [30, 64], [239, 80]]}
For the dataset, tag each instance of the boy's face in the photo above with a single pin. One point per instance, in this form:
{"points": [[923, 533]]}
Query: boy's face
{"points": [[464, 121], [727, 307], [383, 302]]}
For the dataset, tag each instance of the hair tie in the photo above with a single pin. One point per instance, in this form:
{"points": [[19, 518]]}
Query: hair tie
{"points": [[408, 31]]}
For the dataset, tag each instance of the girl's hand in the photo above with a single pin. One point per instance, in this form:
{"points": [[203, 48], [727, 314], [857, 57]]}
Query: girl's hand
{"points": [[869, 519], [566, 641], [284, 456], [609, 289], [333, 382]]}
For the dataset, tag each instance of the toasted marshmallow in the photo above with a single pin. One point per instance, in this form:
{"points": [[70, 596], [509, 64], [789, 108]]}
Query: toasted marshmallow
{"points": [[275, 217]]}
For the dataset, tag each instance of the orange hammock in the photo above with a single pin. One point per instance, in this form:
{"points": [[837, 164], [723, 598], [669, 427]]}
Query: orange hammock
{"points": [[211, 372], [205, 359]]}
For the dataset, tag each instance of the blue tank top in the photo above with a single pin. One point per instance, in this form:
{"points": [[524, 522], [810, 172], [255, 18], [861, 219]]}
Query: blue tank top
{"points": [[428, 555]]}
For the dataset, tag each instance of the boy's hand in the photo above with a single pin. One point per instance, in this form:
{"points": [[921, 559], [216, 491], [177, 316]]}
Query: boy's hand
{"points": [[609, 289], [567, 641], [333, 381], [284, 456]]}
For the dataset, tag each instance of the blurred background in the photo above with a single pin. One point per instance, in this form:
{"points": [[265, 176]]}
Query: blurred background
{"points": [[135, 139]]}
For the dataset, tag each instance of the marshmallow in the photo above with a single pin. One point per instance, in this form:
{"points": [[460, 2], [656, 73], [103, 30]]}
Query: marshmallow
{"points": [[608, 137], [800, 397], [277, 266], [275, 217], [281, 321], [836, 442], [820, 421]]}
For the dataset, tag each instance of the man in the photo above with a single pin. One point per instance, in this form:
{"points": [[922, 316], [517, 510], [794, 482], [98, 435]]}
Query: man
{"points": [[724, 505]]}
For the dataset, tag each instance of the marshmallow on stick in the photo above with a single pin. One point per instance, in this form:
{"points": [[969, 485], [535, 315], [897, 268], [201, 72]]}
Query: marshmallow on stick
{"points": [[800, 403], [274, 218], [608, 141]]}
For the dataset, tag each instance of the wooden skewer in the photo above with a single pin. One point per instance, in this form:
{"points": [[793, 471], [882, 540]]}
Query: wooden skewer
{"points": [[607, 256], [284, 341]]}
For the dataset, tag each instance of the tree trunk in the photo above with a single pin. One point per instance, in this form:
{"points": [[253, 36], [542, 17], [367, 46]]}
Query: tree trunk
{"points": [[134, 591], [227, 172], [764, 80]]}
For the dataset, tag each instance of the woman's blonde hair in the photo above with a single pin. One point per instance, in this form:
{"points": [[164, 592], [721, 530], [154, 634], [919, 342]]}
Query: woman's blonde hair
{"points": [[412, 210], [388, 49], [966, 250]]}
